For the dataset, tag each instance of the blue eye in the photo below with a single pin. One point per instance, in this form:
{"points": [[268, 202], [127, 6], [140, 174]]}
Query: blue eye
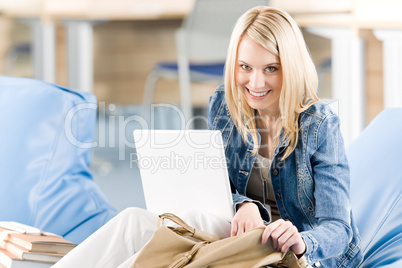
{"points": [[245, 67]]}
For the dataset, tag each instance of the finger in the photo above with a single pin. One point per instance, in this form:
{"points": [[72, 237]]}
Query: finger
{"points": [[292, 240], [233, 230], [240, 229], [278, 232], [300, 246], [269, 229], [284, 239], [249, 226]]}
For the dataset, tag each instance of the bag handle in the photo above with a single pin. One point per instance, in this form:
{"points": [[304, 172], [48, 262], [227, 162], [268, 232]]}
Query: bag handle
{"points": [[185, 229], [176, 220]]}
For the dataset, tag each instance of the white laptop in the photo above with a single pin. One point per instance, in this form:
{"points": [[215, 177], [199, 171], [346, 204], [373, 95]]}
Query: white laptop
{"points": [[182, 170]]}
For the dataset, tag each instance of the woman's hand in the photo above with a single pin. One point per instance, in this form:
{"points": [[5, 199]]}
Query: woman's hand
{"points": [[247, 217], [284, 235]]}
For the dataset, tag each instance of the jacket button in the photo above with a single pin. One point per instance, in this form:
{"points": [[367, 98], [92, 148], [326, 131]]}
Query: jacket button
{"points": [[317, 264], [275, 172], [278, 196]]}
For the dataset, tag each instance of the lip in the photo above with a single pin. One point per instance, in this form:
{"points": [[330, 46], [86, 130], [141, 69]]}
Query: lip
{"points": [[255, 97]]}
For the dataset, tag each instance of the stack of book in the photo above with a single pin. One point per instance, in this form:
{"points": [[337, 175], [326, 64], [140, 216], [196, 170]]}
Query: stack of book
{"points": [[25, 246]]}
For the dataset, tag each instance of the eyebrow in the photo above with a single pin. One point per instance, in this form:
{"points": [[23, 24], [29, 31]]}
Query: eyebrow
{"points": [[268, 64]]}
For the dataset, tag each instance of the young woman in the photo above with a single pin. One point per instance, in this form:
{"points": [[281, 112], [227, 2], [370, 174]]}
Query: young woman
{"points": [[284, 150]]}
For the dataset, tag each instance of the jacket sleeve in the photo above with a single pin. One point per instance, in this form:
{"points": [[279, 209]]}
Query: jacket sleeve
{"points": [[330, 172], [240, 199]]}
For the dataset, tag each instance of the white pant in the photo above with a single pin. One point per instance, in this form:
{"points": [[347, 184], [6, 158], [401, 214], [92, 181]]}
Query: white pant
{"points": [[115, 244]]}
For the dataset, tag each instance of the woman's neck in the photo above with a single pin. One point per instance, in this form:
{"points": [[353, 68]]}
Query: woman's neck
{"points": [[268, 126]]}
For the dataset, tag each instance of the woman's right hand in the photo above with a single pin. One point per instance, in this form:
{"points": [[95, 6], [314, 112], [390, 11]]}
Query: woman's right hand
{"points": [[246, 218]]}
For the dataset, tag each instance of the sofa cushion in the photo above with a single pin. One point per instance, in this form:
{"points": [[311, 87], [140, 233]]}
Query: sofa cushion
{"points": [[376, 189], [46, 136]]}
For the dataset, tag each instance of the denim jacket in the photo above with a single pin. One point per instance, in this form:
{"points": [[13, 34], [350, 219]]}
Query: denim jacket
{"points": [[311, 185]]}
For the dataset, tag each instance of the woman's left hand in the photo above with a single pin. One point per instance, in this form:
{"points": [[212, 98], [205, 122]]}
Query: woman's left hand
{"points": [[284, 235]]}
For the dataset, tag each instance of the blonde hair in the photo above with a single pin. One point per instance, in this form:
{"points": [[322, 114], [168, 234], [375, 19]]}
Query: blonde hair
{"points": [[277, 32]]}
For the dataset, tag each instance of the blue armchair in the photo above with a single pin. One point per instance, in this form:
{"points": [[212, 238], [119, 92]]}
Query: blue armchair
{"points": [[46, 135], [376, 189]]}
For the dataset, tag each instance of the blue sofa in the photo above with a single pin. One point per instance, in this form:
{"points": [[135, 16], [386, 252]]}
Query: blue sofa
{"points": [[376, 189], [46, 136]]}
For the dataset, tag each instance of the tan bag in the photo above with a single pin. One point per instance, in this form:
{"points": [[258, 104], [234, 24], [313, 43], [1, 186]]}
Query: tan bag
{"points": [[185, 246]]}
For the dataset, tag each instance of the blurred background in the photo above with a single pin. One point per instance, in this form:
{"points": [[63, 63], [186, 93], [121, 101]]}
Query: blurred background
{"points": [[136, 53]]}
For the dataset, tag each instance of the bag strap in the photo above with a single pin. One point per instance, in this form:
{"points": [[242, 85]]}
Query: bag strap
{"points": [[188, 256], [176, 220], [186, 230]]}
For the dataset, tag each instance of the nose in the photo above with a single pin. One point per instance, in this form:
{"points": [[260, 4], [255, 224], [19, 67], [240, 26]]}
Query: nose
{"points": [[257, 80]]}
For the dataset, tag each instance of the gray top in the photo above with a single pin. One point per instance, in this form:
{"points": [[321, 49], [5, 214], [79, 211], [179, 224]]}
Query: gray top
{"points": [[259, 179]]}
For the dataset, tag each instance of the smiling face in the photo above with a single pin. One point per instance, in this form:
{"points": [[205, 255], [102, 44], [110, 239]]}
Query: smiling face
{"points": [[258, 75]]}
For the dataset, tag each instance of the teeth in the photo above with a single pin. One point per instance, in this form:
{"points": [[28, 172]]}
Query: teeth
{"points": [[258, 94]]}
